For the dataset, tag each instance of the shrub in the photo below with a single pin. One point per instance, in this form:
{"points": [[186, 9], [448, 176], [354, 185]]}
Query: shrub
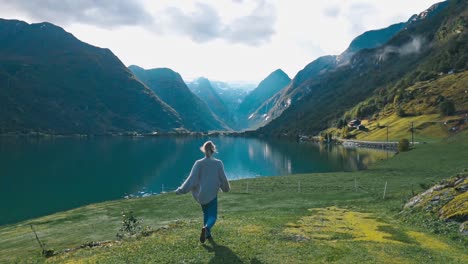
{"points": [[447, 107], [400, 112], [131, 226], [403, 145], [345, 132], [341, 123]]}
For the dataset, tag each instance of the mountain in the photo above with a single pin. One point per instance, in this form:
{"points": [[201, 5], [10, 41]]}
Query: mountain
{"points": [[428, 13], [423, 50], [272, 84], [370, 39], [232, 94], [170, 87], [204, 90], [51, 82], [295, 91]]}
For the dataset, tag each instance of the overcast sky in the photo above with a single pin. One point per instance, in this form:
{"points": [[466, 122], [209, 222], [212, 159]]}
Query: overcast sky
{"points": [[227, 40]]}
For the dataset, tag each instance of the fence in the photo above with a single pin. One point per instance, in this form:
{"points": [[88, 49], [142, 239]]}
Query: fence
{"points": [[378, 188]]}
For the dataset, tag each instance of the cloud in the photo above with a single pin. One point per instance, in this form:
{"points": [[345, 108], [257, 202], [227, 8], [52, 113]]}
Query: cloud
{"points": [[254, 29], [332, 11], [205, 24], [202, 25], [413, 46], [103, 13]]}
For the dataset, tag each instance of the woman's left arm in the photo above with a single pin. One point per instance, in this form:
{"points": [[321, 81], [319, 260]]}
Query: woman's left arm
{"points": [[225, 187]]}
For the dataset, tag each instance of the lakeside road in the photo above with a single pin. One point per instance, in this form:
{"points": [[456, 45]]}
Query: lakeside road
{"points": [[307, 218], [370, 144]]}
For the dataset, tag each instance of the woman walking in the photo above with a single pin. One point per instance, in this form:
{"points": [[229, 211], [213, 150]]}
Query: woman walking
{"points": [[205, 180]]}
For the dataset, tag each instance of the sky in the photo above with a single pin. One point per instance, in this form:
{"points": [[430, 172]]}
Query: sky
{"points": [[225, 40]]}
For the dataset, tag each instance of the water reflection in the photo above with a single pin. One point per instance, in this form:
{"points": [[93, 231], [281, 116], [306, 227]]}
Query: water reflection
{"points": [[39, 176]]}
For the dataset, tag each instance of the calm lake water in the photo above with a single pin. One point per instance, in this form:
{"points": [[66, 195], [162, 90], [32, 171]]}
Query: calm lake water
{"points": [[43, 176]]}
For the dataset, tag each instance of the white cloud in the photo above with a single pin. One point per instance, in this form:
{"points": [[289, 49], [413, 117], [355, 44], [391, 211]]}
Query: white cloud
{"points": [[102, 13], [204, 24], [201, 25]]}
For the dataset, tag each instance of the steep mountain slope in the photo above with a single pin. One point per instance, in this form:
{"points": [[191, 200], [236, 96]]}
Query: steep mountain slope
{"points": [[435, 43], [204, 90], [169, 86], [50, 82], [274, 106], [295, 91], [369, 40], [272, 84]]}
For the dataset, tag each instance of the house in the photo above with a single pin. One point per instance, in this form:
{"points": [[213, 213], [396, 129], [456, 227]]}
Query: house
{"points": [[354, 123]]}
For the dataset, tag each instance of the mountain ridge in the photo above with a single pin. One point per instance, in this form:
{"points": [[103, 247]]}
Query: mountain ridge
{"points": [[272, 84], [275, 105], [54, 83], [419, 51], [171, 88], [204, 90]]}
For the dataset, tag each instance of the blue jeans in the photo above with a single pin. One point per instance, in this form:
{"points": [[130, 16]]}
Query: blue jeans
{"points": [[210, 214]]}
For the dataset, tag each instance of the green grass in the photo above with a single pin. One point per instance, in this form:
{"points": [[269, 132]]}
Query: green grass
{"points": [[428, 128], [271, 223]]}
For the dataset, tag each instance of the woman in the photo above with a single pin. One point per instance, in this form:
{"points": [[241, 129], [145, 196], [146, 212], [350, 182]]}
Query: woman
{"points": [[205, 179]]}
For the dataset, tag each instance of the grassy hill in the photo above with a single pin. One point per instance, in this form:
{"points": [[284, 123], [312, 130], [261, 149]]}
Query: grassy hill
{"points": [[312, 218], [419, 104]]}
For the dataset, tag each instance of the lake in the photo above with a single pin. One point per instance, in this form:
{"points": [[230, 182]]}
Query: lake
{"points": [[40, 176]]}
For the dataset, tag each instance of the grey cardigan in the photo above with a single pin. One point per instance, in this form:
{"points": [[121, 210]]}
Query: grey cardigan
{"points": [[205, 180]]}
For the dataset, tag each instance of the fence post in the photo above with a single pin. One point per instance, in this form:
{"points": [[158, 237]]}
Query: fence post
{"points": [[299, 186], [385, 190], [247, 188], [355, 184], [162, 188]]}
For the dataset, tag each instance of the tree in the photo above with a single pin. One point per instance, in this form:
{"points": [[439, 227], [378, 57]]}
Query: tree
{"points": [[400, 112], [447, 107], [403, 145], [341, 123]]}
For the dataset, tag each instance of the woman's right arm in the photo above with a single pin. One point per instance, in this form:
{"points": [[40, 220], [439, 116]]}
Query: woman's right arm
{"points": [[191, 180]]}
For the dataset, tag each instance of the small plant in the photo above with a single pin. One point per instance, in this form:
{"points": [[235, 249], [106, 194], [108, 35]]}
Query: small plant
{"points": [[403, 145], [132, 227], [425, 186]]}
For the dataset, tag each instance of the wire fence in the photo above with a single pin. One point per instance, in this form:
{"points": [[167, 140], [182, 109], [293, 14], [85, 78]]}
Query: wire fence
{"points": [[378, 188]]}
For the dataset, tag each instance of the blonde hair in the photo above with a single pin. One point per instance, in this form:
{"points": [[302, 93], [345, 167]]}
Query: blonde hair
{"points": [[209, 148]]}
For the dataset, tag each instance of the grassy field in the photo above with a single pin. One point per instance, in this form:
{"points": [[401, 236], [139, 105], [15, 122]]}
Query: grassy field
{"points": [[312, 218], [427, 128]]}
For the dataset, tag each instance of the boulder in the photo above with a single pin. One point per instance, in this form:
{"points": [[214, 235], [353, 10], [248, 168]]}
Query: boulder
{"points": [[448, 199]]}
